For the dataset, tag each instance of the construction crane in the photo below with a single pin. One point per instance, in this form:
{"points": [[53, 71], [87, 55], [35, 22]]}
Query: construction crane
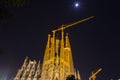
{"points": [[72, 24], [93, 76], [63, 27]]}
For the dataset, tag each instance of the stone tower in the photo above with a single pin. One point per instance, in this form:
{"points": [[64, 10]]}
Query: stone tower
{"points": [[58, 62], [30, 70]]}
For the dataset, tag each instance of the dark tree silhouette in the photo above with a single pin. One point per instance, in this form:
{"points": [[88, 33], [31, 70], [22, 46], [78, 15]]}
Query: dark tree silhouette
{"points": [[70, 77]]}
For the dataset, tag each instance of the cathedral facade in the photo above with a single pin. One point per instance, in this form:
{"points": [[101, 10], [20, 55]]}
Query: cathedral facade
{"points": [[57, 63]]}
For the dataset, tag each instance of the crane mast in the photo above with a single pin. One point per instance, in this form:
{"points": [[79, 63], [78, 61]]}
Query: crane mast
{"points": [[93, 76]]}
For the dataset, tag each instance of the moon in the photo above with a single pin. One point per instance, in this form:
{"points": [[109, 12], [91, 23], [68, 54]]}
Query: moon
{"points": [[76, 4]]}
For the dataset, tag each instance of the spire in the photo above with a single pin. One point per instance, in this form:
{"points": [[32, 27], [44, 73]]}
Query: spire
{"points": [[25, 63], [75, 74], [78, 75], [37, 73], [47, 50], [49, 57], [26, 59], [69, 52], [53, 44], [62, 43], [67, 41]]}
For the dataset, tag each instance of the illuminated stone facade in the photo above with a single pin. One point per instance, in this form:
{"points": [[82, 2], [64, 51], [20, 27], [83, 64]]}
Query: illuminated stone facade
{"points": [[30, 70], [57, 63]]}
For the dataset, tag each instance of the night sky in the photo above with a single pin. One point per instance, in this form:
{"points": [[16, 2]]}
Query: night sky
{"points": [[95, 43]]}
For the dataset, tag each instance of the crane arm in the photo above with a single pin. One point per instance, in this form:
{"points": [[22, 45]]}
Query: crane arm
{"points": [[72, 24], [94, 74]]}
